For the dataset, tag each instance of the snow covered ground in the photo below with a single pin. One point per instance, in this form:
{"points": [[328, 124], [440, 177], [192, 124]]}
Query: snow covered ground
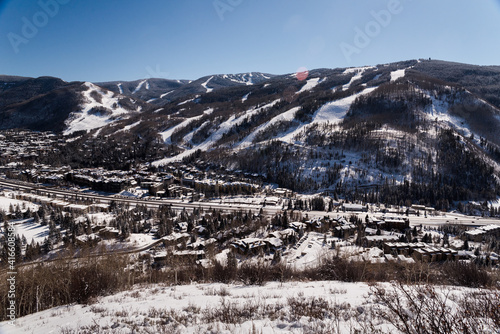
{"points": [[142, 307], [167, 134], [31, 230], [139, 86], [395, 75], [290, 307], [286, 116], [7, 200], [359, 73], [310, 84], [244, 98], [206, 83]]}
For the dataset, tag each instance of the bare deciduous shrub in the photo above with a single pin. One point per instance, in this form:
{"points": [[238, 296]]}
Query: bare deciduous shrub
{"points": [[466, 274], [315, 308], [258, 273], [338, 268], [230, 312], [426, 309], [44, 286], [192, 309], [223, 274], [480, 307]]}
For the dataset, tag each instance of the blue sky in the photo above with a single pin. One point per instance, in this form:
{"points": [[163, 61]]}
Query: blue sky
{"points": [[103, 40]]}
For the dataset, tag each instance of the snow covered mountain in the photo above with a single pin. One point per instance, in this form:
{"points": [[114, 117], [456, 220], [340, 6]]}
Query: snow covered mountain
{"points": [[52, 104], [150, 90], [99, 107], [402, 128], [163, 91], [354, 130]]}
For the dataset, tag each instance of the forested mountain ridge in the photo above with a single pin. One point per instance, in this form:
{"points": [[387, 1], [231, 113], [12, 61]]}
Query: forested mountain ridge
{"points": [[420, 130], [51, 104]]}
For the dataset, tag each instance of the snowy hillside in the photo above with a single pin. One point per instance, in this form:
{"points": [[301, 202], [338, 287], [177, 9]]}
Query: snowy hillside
{"points": [[99, 107], [399, 123], [339, 128], [163, 91], [290, 307]]}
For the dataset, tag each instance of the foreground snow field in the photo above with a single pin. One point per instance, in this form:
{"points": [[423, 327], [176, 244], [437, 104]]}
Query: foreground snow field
{"points": [[141, 308], [291, 307]]}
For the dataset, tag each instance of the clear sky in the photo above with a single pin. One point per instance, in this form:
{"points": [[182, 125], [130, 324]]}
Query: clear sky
{"points": [[104, 40]]}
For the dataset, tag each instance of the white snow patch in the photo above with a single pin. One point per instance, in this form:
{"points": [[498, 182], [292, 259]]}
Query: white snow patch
{"points": [[6, 200], [243, 80], [439, 111], [359, 73], [163, 95], [286, 116], [245, 97], [31, 230], [331, 112], [395, 75], [128, 127], [187, 101], [120, 88], [224, 127], [206, 83], [311, 83], [139, 86], [166, 135], [336, 110]]}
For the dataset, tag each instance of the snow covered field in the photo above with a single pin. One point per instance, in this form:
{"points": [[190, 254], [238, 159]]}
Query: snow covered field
{"points": [[7, 200], [31, 231], [292, 307]]}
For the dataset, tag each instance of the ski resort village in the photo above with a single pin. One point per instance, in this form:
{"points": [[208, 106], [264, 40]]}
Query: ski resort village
{"points": [[353, 200], [249, 167]]}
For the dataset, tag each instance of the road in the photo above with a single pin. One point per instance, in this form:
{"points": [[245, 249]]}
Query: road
{"points": [[176, 204], [152, 203], [446, 218], [453, 218]]}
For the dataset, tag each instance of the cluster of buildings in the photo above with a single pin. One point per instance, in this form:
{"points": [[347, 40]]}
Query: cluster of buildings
{"points": [[275, 241], [19, 146], [420, 251], [389, 223], [481, 233], [178, 246]]}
